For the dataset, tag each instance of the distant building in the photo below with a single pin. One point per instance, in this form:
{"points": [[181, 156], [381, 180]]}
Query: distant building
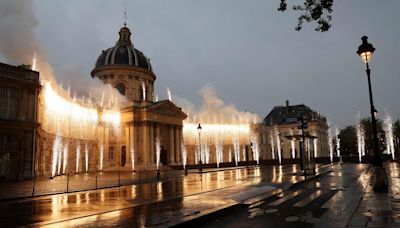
{"points": [[19, 89], [283, 121]]}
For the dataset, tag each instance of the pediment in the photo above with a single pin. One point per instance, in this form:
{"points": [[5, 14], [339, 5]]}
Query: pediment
{"points": [[167, 108]]}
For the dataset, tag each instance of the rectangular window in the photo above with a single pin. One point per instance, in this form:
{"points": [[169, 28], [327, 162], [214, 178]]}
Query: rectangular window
{"points": [[110, 153], [8, 103]]}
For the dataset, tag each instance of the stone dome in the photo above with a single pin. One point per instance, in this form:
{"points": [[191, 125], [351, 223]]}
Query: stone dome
{"points": [[123, 54]]}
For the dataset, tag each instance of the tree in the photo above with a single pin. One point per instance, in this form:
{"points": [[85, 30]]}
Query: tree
{"points": [[348, 141], [348, 137], [369, 140], [318, 11]]}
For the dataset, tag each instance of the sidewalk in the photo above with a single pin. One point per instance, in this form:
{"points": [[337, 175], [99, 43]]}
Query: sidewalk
{"points": [[380, 209]]}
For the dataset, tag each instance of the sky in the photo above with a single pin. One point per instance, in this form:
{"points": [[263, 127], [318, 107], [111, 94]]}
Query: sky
{"points": [[246, 50]]}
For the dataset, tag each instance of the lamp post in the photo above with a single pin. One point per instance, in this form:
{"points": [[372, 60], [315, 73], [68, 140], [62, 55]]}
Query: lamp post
{"points": [[200, 161], [365, 51]]}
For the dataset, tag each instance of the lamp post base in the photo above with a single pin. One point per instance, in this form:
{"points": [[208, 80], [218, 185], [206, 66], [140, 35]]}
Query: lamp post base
{"points": [[380, 180]]}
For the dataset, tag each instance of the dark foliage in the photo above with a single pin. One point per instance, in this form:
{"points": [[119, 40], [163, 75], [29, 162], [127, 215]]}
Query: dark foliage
{"points": [[318, 11]]}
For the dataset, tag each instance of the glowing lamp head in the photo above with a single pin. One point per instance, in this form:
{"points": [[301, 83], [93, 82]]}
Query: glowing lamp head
{"points": [[365, 50], [199, 129]]}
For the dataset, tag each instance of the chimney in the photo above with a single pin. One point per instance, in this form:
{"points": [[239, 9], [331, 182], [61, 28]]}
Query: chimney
{"points": [[287, 103]]}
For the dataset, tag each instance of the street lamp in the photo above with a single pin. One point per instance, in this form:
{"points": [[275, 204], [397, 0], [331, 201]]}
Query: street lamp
{"points": [[365, 51], [200, 161]]}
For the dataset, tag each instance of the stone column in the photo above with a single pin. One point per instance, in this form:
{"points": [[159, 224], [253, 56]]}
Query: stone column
{"points": [[171, 145], [177, 145], [145, 145], [152, 143], [131, 143]]}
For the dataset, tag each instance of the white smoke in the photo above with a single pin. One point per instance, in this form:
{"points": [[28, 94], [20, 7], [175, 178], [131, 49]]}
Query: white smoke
{"points": [[18, 41], [19, 44], [214, 110]]}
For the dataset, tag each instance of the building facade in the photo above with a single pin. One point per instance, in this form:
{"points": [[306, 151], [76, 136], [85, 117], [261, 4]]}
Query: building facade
{"points": [[83, 138], [146, 123], [282, 126], [19, 89]]}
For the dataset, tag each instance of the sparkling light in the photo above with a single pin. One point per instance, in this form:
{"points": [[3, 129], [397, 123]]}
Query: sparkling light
{"points": [[184, 155], [337, 141], [158, 152], [360, 138], [388, 127], [101, 156], [86, 158], [330, 140], [57, 146], [132, 150], [34, 61], [65, 157], [78, 157]]}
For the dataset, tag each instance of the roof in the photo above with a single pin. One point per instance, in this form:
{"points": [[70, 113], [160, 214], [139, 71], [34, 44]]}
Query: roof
{"points": [[123, 53], [290, 113]]}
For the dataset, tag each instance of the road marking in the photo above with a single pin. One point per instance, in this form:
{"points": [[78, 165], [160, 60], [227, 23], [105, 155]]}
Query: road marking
{"points": [[308, 199], [287, 197]]}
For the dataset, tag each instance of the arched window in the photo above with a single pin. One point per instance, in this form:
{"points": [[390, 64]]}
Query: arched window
{"points": [[121, 88]]}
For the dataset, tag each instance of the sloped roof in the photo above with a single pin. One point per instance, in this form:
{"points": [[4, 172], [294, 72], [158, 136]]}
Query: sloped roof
{"points": [[289, 114]]}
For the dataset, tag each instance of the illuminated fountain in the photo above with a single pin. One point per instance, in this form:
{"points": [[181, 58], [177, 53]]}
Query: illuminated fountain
{"points": [[86, 158], [244, 153], [74, 121], [236, 150], [272, 145], [34, 61], [65, 158], [360, 132], [101, 156], [132, 150], [315, 147], [330, 140], [169, 94], [292, 145], [256, 149], [228, 137], [57, 147], [219, 150], [184, 155], [388, 127], [78, 157], [278, 144], [158, 153], [206, 153], [337, 141], [59, 158]]}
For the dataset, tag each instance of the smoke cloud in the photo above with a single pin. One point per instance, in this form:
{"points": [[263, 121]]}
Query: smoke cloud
{"points": [[18, 42], [18, 45], [214, 110]]}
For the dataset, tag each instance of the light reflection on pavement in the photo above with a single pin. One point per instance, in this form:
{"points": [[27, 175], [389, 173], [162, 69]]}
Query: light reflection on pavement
{"points": [[144, 204]]}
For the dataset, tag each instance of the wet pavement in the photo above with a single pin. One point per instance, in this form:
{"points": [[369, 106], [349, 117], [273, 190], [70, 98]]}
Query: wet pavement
{"points": [[150, 204], [80, 182], [341, 198]]}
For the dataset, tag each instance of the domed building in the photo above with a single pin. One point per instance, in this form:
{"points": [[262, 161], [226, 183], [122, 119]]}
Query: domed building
{"points": [[146, 124], [126, 68]]}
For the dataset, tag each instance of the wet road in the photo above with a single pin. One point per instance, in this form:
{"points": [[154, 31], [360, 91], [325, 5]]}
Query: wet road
{"points": [[327, 201], [146, 204]]}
